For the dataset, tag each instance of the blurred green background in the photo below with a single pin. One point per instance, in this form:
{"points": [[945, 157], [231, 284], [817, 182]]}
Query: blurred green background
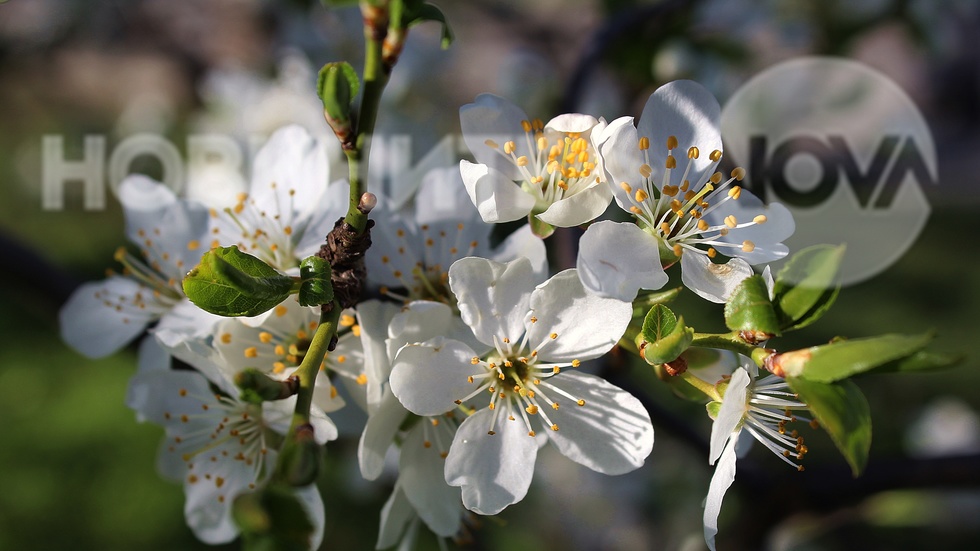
{"points": [[76, 470]]}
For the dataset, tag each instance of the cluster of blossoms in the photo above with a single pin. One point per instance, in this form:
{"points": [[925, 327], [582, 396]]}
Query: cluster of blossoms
{"points": [[469, 358]]}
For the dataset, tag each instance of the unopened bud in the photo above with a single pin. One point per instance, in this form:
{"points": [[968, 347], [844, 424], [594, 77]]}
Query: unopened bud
{"points": [[299, 463], [337, 86], [257, 387], [367, 203]]}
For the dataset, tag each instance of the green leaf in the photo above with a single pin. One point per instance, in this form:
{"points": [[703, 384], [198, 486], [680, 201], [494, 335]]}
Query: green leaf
{"points": [[315, 287], [843, 359], [647, 299], [539, 227], [843, 412], [663, 337], [923, 360], [230, 283], [429, 12], [806, 286], [337, 85], [749, 308]]}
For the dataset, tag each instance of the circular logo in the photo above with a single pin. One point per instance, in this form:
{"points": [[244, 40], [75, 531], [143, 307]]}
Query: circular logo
{"points": [[844, 149]]}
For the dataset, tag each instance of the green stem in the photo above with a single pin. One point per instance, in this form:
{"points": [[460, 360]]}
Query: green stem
{"points": [[310, 367], [374, 81], [731, 341], [705, 387]]}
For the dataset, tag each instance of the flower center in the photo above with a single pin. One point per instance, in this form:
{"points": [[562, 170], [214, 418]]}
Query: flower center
{"points": [[769, 409], [675, 213], [269, 235], [421, 262]]}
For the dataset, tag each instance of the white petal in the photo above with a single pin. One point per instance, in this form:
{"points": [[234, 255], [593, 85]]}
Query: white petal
{"points": [[396, 515], [421, 473], [581, 208], [379, 434], [332, 207], [185, 321], [142, 198], [428, 377], [617, 259], [610, 434], [96, 329], [374, 316], [309, 498], [710, 281], [294, 160], [420, 321], [442, 197], [730, 414], [207, 509], [572, 122], [686, 110], [497, 198], [585, 326], [720, 482], [768, 237], [494, 471], [492, 297], [621, 158], [523, 243], [494, 118]]}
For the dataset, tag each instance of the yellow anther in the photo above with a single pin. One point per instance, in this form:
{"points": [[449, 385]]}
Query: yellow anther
{"points": [[671, 162], [626, 187], [278, 367], [556, 369], [715, 156], [526, 125], [554, 427], [280, 311], [712, 252], [685, 185], [531, 409], [731, 221], [251, 352], [671, 191], [522, 161], [583, 156], [644, 143], [580, 402], [702, 225], [554, 335], [693, 153], [491, 143], [538, 124], [675, 205], [552, 167], [361, 379], [509, 147], [646, 170], [760, 219], [665, 228], [688, 195], [530, 433], [280, 350], [735, 192], [715, 178], [678, 250], [542, 143], [226, 338], [640, 196], [738, 173], [265, 337], [671, 142], [748, 246], [356, 330], [474, 360], [193, 245], [576, 363]]}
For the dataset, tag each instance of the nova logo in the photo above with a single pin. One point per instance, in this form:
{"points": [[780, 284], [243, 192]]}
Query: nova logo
{"points": [[844, 149]]}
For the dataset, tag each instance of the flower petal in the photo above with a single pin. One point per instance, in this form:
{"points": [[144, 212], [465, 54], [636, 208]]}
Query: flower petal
{"points": [[581, 208], [290, 173], [421, 473], [686, 110], [494, 471], [523, 243], [92, 324], [497, 198], [720, 482], [309, 498], [710, 281], [730, 414], [617, 259], [610, 434], [396, 517], [184, 321], [428, 377], [492, 297], [379, 433], [494, 118], [571, 323], [621, 159]]}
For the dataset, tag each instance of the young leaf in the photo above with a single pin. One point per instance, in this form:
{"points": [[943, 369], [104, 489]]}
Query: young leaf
{"points": [[315, 287], [923, 360], [664, 337], [231, 283], [843, 412], [843, 359], [749, 308], [337, 85], [806, 286], [429, 12]]}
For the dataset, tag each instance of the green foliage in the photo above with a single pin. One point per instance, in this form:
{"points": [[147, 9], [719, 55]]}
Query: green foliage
{"points": [[664, 336], [257, 387], [314, 286], [843, 412], [749, 308], [806, 287], [417, 12], [846, 358], [230, 283], [299, 463], [337, 85]]}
